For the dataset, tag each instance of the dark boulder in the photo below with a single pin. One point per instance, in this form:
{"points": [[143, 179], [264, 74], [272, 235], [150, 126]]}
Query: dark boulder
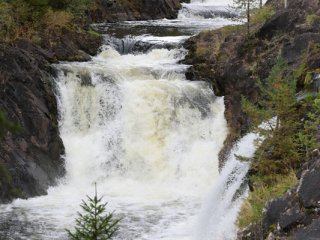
{"points": [[310, 232], [293, 52], [309, 189], [291, 218]]}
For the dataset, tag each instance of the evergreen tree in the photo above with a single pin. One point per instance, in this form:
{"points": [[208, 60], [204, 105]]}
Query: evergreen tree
{"points": [[94, 223], [278, 109]]}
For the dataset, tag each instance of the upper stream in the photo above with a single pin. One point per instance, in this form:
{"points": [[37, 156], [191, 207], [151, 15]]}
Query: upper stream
{"points": [[149, 138]]}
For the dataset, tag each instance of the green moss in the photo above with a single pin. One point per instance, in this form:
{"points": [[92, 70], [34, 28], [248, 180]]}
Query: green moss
{"points": [[310, 19], [6, 183], [261, 15], [94, 33], [308, 79]]}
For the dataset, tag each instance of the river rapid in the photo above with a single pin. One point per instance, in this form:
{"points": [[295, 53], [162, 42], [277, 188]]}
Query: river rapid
{"points": [[149, 138]]}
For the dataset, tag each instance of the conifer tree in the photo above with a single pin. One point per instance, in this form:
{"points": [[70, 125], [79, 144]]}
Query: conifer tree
{"points": [[278, 109], [94, 223]]}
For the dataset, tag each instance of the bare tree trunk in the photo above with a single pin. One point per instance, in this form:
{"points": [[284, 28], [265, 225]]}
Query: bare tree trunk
{"points": [[261, 4], [285, 3], [248, 17]]}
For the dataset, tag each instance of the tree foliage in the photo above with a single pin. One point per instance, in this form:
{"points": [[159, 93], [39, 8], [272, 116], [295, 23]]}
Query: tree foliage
{"points": [[279, 112], [94, 223], [307, 136], [29, 18]]}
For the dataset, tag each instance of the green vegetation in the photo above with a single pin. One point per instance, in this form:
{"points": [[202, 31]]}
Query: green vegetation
{"points": [[261, 15], [6, 125], [311, 19], [278, 109], [94, 223], [32, 18], [6, 183], [254, 11], [289, 133], [307, 139], [266, 188]]}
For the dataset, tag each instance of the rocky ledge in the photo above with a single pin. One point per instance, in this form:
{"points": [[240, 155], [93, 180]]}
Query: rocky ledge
{"points": [[115, 10], [296, 215], [31, 160]]}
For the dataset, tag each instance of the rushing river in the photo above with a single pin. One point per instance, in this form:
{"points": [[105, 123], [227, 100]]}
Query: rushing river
{"points": [[131, 122]]}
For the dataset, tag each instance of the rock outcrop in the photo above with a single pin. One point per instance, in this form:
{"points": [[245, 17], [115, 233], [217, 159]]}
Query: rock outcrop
{"points": [[113, 10], [296, 215], [31, 161], [233, 62]]}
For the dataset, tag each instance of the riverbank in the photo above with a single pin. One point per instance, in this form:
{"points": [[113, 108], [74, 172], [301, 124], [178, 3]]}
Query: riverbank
{"points": [[233, 63]]}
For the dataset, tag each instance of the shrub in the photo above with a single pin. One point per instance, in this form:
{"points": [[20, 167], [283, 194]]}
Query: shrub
{"points": [[307, 136], [57, 19]]}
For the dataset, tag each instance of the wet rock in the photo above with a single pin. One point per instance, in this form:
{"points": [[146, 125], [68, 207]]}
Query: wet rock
{"points": [[31, 161]]}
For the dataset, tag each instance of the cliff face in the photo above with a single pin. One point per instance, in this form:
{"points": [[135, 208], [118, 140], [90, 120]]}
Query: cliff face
{"points": [[31, 160], [123, 10]]}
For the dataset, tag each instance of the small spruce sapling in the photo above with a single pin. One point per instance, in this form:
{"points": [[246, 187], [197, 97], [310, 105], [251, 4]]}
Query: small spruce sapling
{"points": [[94, 223]]}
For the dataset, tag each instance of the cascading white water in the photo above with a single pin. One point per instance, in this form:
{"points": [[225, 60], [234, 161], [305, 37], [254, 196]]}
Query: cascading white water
{"points": [[148, 137], [207, 9]]}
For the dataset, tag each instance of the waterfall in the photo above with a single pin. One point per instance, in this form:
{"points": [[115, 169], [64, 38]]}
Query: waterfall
{"points": [[132, 122], [222, 204], [207, 9]]}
